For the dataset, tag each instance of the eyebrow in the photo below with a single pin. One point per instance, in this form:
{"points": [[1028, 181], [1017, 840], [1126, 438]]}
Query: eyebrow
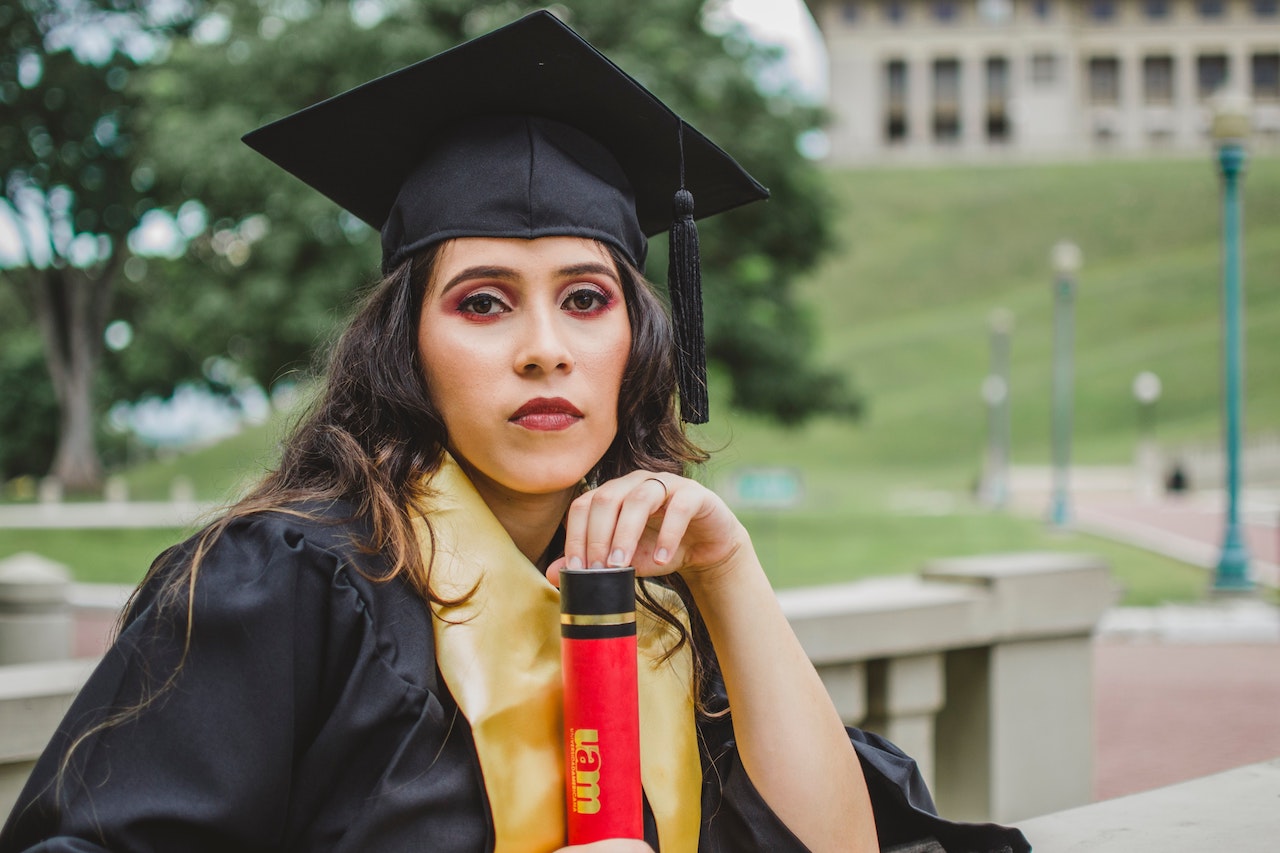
{"points": [[510, 274]]}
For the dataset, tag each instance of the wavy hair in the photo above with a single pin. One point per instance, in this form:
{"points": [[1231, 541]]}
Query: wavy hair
{"points": [[372, 435]]}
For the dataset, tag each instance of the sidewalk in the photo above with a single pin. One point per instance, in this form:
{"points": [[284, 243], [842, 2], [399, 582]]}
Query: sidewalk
{"points": [[1188, 527], [1181, 691], [1184, 691]]}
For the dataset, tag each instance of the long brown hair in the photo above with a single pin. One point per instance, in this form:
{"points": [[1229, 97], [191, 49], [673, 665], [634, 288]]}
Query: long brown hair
{"points": [[373, 434]]}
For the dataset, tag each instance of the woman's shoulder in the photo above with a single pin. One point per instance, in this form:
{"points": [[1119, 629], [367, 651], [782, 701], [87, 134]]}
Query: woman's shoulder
{"points": [[275, 544], [302, 572]]}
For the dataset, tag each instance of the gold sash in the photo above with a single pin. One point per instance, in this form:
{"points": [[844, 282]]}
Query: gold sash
{"points": [[499, 654]]}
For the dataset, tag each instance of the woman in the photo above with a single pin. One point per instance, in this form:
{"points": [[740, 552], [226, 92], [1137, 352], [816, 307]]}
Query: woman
{"points": [[363, 653]]}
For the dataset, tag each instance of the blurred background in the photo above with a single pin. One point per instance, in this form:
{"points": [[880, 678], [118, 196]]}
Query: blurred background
{"points": [[969, 199]]}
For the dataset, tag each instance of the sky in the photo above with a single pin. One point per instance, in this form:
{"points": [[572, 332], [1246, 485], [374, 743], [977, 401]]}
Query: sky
{"points": [[788, 24]]}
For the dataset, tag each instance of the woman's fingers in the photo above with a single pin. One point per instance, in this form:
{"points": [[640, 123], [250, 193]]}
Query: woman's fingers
{"points": [[605, 526], [643, 502]]}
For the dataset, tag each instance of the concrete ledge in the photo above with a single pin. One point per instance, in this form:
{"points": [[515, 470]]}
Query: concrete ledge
{"points": [[1238, 810], [880, 617], [954, 603], [33, 699], [1033, 594]]}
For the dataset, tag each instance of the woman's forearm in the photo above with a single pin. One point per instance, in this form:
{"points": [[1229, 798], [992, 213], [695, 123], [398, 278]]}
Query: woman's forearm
{"points": [[790, 737]]}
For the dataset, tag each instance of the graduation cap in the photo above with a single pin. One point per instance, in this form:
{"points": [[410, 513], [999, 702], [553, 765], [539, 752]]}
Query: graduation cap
{"points": [[526, 132]]}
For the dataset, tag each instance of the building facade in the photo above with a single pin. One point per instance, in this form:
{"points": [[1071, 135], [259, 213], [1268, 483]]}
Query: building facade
{"points": [[931, 80]]}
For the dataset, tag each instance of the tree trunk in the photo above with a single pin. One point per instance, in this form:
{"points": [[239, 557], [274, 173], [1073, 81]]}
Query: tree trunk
{"points": [[71, 308]]}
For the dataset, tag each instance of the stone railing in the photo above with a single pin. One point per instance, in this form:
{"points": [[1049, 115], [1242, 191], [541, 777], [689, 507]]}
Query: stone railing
{"points": [[1236, 811], [980, 668]]}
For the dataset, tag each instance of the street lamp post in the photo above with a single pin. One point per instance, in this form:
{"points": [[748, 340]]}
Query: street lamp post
{"points": [[995, 393], [1066, 259], [1231, 122], [1146, 391]]}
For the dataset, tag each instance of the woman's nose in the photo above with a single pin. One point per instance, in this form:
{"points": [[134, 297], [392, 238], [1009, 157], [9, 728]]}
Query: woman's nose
{"points": [[544, 343]]}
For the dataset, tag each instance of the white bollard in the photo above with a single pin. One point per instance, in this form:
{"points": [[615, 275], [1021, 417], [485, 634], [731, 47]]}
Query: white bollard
{"points": [[35, 616]]}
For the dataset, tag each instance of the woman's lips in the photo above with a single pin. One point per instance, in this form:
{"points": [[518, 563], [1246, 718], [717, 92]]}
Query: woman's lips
{"points": [[546, 414]]}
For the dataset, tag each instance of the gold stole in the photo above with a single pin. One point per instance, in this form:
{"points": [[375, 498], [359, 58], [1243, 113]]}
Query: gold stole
{"points": [[499, 654]]}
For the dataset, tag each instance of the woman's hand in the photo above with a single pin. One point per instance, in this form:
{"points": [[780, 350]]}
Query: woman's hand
{"points": [[658, 523], [787, 730], [609, 845]]}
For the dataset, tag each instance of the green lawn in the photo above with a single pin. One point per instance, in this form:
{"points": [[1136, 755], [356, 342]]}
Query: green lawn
{"points": [[93, 555], [923, 256]]}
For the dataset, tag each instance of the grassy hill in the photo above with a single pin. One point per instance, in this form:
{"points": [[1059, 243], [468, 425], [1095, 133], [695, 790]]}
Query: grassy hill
{"points": [[926, 255], [922, 259]]}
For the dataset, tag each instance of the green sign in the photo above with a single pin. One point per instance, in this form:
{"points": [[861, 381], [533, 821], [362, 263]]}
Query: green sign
{"points": [[766, 488]]}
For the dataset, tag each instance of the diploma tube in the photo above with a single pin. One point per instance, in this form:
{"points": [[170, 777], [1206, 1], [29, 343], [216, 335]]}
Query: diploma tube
{"points": [[601, 704]]}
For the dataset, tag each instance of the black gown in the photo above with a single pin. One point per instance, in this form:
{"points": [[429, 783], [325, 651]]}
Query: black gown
{"points": [[309, 716]]}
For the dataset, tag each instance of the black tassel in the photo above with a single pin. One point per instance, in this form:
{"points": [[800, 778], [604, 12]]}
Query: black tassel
{"points": [[684, 284]]}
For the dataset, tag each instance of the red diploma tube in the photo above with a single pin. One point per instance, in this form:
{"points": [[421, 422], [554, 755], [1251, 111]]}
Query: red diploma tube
{"points": [[601, 704]]}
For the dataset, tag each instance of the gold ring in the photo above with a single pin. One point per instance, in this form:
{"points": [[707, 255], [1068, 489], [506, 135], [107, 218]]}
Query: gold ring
{"points": [[665, 493]]}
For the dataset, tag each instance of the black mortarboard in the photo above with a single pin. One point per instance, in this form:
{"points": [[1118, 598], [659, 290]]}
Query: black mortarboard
{"points": [[528, 131]]}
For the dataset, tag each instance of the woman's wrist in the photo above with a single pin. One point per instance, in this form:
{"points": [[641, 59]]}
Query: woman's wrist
{"points": [[708, 581]]}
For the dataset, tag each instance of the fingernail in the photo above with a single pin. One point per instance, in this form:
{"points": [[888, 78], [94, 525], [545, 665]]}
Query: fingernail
{"points": [[597, 564], [661, 556], [617, 558], [575, 563]]}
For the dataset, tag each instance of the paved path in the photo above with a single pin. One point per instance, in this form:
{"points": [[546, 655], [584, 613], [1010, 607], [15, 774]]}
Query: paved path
{"points": [[1168, 712], [1183, 691], [1188, 527]]}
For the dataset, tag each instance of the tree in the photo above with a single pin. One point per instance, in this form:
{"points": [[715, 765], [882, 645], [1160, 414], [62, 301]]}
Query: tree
{"points": [[277, 265], [72, 193]]}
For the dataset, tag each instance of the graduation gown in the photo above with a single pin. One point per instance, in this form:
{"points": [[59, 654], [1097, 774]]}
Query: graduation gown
{"points": [[308, 715]]}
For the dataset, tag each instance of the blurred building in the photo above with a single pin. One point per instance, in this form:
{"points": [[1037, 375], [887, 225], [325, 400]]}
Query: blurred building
{"points": [[928, 80]]}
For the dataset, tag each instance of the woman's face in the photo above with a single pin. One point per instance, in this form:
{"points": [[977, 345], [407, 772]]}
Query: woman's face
{"points": [[524, 344]]}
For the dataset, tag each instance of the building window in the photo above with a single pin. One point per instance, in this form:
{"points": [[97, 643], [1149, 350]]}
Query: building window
{"points": [[946, 100], [1044, 69], [1265, 68], [1265, 8], [1102, 10], [1042, 9], [1157, 80], [849, 11], [1211, 74], [1157, 10], [997, 99], [1104, 80], [945, 11], [1211, 8], [997, 12], [895, 11], [895, 100]]}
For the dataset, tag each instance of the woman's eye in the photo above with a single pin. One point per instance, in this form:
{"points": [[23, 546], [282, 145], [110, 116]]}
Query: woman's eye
{"points": [[481, 303], [586, 300]]}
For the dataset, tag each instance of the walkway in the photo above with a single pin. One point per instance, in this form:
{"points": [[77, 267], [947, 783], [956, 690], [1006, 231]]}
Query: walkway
{"points": [[1188, 692], [1181, 691], [1189, 528]]}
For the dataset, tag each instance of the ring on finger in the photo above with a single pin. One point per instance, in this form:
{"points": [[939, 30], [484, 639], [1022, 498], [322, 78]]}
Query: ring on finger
{"points": [[665, 493]]}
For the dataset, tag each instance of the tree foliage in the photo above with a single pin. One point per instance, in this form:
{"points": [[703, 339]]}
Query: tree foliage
{"points": [[114, 108], [72, 195]]}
